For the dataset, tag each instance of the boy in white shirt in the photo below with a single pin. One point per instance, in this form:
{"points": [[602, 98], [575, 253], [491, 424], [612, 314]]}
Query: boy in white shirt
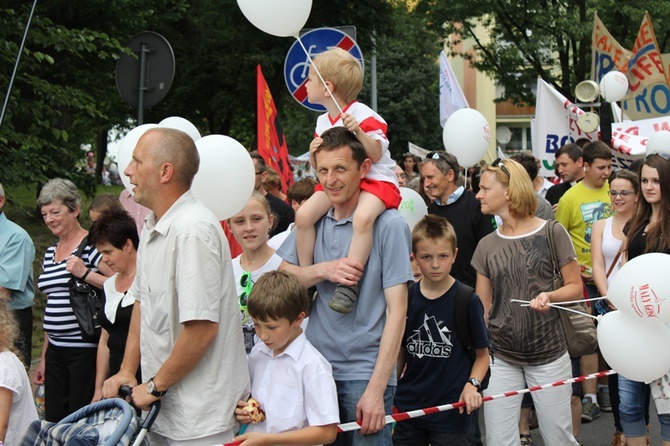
{"points": [[290, 379]]}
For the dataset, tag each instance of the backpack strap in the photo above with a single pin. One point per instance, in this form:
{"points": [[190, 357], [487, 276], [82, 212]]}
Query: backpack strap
{"points": [[410, 296], [462, 319]]}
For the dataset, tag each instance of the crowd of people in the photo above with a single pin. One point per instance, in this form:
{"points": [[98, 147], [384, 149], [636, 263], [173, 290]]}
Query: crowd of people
{"points": [[346, 313]]}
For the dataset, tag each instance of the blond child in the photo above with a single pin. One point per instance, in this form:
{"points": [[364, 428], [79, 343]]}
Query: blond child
{"points": [[17, 409], [290, 379], [343, 77]]}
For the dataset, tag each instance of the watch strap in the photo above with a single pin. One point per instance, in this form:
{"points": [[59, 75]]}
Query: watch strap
{"points": [[155, 392]]}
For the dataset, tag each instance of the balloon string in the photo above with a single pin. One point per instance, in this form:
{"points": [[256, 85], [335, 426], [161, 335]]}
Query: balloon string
{"points": [[566, 302], [558, 307], [311, 62]]}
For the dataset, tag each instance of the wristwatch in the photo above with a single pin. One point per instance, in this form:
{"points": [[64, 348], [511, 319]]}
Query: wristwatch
{"points": [[151, 388], [475, 382]]}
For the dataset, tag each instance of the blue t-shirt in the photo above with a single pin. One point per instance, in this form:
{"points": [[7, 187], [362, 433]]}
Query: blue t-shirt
{"points": [[437, 365], [17, 253], [350, 342]]}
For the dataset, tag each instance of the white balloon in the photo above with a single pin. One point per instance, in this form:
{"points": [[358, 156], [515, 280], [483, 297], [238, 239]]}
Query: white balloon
{"points": [[636, 350], [126, 148], [466, 135], [614, 86], [659, 142], [412, 207], [226, 177], [176, 122], [282, 18], [641, 288]]}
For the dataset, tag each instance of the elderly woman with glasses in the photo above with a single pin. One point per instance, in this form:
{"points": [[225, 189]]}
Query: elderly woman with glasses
{"points": [[251, 228], [527, 344], [67, 367]]}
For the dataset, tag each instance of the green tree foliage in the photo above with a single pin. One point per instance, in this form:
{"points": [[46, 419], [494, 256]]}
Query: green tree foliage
{"points": [[527, 39], [65, 93]]}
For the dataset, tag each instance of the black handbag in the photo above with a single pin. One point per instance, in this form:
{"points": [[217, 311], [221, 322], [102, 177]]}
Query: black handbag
{"points": [[85, 301]]}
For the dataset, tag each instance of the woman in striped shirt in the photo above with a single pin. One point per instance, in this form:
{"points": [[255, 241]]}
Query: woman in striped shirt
{"points": [[67, 367]]}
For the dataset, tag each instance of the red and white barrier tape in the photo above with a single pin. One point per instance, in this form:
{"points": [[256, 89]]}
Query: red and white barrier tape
{"points": [[346, 427]]}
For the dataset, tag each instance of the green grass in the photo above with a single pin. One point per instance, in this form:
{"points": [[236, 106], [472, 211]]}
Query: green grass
{"points": [[22, 209]]}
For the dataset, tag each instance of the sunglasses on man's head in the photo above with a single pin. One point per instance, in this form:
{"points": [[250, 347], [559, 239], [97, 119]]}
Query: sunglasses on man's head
{"points": [[438, 156]]}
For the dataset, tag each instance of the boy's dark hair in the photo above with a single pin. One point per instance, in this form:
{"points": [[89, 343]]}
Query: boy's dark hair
{"points": [[115, 226], [596, 150], [528, 162], [337, 137], [433, 227], [573, 151], [104, 202], [301, 190], [276, 295]]}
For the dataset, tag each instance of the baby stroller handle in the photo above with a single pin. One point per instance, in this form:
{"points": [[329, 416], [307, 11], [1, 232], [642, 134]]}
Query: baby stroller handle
{"points": [[126, 391]]}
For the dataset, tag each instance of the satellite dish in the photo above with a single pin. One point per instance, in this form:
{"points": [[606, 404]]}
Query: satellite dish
{"points": [[587, 91], [144, 80], [503, 134]]}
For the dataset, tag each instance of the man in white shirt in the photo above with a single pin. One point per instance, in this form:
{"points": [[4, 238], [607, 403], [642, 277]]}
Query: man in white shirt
{"points": [[185, 322]]}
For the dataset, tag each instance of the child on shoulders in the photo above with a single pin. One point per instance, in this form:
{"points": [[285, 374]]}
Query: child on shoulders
{"points": [[291, 381], [343, 77], [439, 370]]}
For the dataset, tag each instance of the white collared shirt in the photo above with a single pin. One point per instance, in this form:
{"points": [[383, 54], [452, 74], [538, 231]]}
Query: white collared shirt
{"points": [[185, 273], [295, 388]]}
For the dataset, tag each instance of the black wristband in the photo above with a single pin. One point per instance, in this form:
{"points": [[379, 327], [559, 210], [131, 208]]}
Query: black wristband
{"points": [[88, 270]]}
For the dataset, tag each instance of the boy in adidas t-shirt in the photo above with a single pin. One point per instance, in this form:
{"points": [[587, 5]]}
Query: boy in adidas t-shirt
{"points": [[437, 368]]}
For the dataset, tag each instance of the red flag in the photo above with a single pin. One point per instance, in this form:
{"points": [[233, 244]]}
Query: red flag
{"points": [[271, 141]]}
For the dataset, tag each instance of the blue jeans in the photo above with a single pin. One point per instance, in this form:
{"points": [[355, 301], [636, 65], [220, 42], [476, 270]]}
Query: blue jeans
{"points": [[633, 407], [406, 434], [348, 395]]}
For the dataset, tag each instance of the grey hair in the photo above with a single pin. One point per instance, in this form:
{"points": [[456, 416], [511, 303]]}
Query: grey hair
{"points": [[59, 189], [2, 191]]}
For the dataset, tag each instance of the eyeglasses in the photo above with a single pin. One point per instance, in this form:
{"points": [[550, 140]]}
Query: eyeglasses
{"points": [[439, 155], [259, 173], [623, 193], [664, 155], [246, 284], [499, 164]]}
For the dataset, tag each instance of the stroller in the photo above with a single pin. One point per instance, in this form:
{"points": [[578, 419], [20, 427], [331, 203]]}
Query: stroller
{"points": [[108, 422]]}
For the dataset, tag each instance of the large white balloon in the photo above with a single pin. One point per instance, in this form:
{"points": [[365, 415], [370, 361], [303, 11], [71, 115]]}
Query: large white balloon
{"points": [[641, 288], [659, 142], [186, 126], [614, 86], [466, 135], [636, 350], [412, 207], [226, 176], [126, 148], [282, 18]]}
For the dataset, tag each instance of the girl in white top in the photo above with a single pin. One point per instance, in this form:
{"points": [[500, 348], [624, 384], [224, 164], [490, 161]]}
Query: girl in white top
{"points": [[17, 409], [251, 228], [607, 235]]}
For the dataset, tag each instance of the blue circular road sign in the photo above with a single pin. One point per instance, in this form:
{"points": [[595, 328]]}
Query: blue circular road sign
{"points": [[296, 65]]}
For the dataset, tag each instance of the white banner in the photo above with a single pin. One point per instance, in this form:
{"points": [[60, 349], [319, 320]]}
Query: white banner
{"points": [[555, 125], [451, 95], [418, 151]]}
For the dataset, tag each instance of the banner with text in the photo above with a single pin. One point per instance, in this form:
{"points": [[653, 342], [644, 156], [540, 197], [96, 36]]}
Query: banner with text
{"points": [[649, 95], [555, 125]]}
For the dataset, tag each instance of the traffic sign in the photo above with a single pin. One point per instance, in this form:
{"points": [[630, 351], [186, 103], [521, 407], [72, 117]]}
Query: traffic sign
{"points": [[296, 65]]}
